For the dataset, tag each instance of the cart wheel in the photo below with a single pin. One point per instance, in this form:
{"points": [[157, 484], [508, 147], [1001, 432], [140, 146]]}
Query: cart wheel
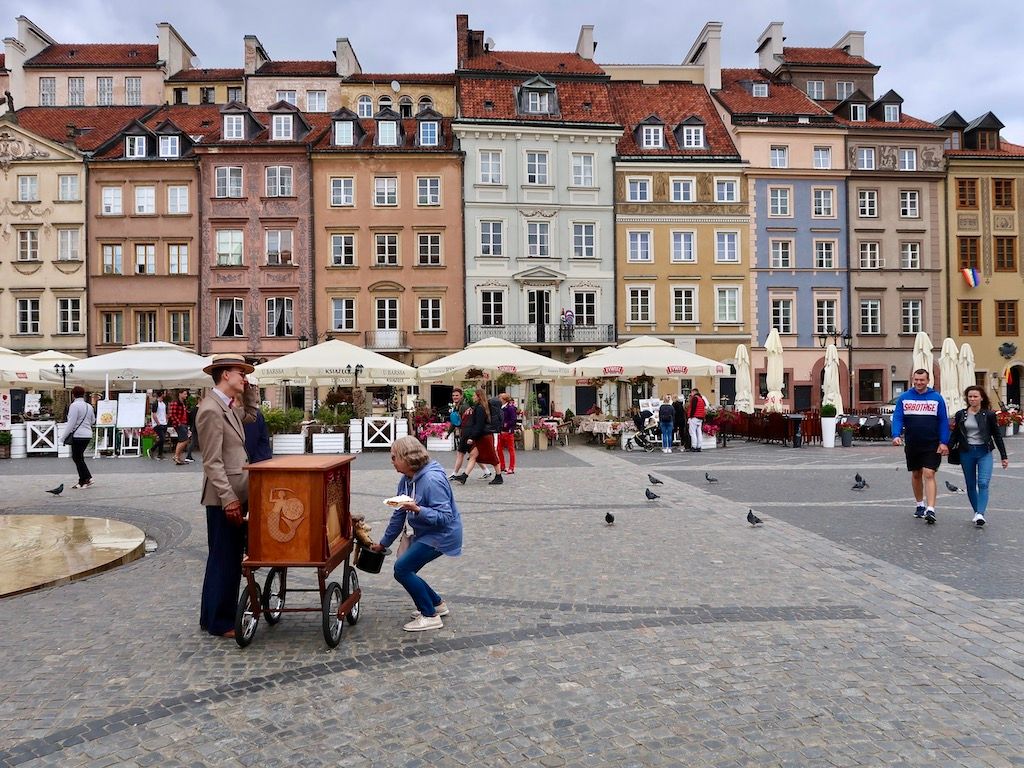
{"points": [[332, 623], [247, 618], [629, 445], [273, 595], [351, 585]]}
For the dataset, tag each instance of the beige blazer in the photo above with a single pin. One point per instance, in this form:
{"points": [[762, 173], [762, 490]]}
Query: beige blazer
{"points": [[222, 442]]}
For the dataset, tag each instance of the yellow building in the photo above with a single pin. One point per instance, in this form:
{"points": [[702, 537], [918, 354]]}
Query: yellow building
{"points": [[985, 181]]}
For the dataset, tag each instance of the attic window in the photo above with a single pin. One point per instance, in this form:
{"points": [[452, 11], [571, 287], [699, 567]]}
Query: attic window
{"points": [[803, 119], [428, 133], [892, 113], [538, 102], [283, 128], [858, 113], [135, 146], [587, 106], [489, 105], [653, 137], [762, 119], [234, 127], [387, 133], [71, 53], [344, 135], [761, 90], [132, 54], [693, 136], [169, 146]]}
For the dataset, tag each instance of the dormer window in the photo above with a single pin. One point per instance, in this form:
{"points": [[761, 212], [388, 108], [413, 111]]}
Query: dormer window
{"points": [[283, 128], [858, 112], [988, 140], [135, 146], [428, 133], [169, 146], [344, 133], [693, 136], [387, 133], [234, 127], [892, 113], [761, 90], [365, 106], [538, 103], [653, 137], [384, 102]]}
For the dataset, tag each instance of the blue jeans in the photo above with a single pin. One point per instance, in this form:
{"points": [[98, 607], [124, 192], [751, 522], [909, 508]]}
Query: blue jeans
{"points": [[667, 429], [414, 558], [976, 462]]}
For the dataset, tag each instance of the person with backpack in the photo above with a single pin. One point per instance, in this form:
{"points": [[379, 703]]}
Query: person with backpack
{"points": [[480, 440], [666, 420]]}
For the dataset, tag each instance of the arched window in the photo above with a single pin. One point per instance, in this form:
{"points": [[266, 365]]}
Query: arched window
{"points": [[383, 102], [365, 108], [405, 106], [425, 103]]}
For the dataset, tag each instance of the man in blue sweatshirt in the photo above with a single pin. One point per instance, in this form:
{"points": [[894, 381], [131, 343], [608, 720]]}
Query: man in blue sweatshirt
{"points": [[920, 424]]}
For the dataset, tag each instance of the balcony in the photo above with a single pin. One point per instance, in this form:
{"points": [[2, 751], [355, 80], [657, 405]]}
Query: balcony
{"points": [[386, 340], [545, 333]]}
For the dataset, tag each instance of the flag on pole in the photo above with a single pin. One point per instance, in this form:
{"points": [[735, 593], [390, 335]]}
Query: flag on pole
{"points": [[971, 276]]}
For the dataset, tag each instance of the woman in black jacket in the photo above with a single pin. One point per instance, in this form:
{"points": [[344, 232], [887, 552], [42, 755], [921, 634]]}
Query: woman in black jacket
{"points": [[975, 434], [480, 440]]}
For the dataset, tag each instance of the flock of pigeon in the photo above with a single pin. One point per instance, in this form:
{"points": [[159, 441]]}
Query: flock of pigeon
{"points": [[753, 519]]}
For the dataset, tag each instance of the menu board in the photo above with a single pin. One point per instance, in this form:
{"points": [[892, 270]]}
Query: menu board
{"points": [[106, 413], [5, 409], [131, 410]]}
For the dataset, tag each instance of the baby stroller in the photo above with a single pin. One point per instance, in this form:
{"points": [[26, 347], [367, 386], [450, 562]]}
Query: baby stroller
{"points": [[648, 433]]}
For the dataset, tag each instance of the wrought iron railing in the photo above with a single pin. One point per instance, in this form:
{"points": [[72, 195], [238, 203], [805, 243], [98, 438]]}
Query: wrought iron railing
{"points": [[386, 340], [544, 333]]}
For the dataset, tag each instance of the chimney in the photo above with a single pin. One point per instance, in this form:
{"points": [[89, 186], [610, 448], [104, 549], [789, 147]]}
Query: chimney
{"points": [[769, 47], [346, 62], [706, 52], [461, 39], [255, 55], [585, 45], [853, 43]]}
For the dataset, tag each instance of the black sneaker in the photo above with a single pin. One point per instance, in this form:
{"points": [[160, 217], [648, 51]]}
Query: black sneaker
{"points": [[929, 516], [462, 478], [496, 481], [919, 512]]}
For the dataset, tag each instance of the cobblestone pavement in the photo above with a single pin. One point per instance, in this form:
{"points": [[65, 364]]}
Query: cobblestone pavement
{"points": [[840, 633]]}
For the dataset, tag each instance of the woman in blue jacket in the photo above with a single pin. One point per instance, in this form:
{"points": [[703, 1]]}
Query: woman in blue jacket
{"points": [[435, 523], [976, 433]]}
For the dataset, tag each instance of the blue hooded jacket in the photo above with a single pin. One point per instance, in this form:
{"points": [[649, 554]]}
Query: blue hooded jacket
{"points": [[921, 419], [438, 523]]}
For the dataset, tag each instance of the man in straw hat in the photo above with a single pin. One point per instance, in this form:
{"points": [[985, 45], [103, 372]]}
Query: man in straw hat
{"points": [[219, 421]]}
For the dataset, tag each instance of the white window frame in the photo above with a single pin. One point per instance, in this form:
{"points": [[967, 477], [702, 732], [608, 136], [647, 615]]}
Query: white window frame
{"points": [[316, 101], [179, 326], [538, 239], [538, 102], [492, 308], [865, 158], [824, 254], [727, 190], [638, 189], [584, 239], [640, 246], [869, 254], [492, 237], [385, 314], [169, 146], [911, 316], [639, 304], [364, 106], [583, 170], [104, 91], [28, 189], [113, 258], [822, 158], [343, 309], [823, 202], [867, 203], [113, 327], [891, 113], [759, 90], [68, 240], [537, 168], [385, 191], [780, 254], [69, 315], [177, 199], [286, 95], [279, 181], [279, 247], [344, 133], [652, 136], [429, 249], [780, 205], [693, 137], [145, 259], [145, 201], [858, 113], [282, 128], [778, 156], [782, 315], [684, 246], [430, 310], [683, 189], [429, 133], [111, 201], [491, 164], [816, 89], [47, 91], [230, 243], [844, 89], [727, 246], [28, 316], [68, 187], [234, 127], [871, 316], [387, 133], [228, 181], [826, 315], [910, 254], [908, 159], [727, 297], [135, 146], [343, 191], [237, 317], [177, 258], [428, 191], [285, 306], [343, 249], [386, 249], [584, 305], [910, 204], [684, 304]]}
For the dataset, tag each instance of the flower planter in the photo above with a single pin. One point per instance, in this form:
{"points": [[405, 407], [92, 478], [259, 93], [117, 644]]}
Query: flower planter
{"points": [[828, 431], [289, 444], [329, 442], [708, 442], [18, 444], [1009, 430], [147, 445], [542, 440], [847, 438], [435, 444], [5, 451], [529, 442]]}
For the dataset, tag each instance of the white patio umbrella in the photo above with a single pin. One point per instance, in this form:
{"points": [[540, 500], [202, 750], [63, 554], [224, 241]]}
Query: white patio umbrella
{"points": [[744, 390], [831, 394], [20, 372], [52, 356], [775, 375], [965, 367], [334, 362], [949, 373], [923, 352], [154, 364], [493, 357], [648, 356]]}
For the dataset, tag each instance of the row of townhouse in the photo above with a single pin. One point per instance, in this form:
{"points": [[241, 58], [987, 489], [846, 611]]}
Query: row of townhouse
{"points": [[268, 207]]}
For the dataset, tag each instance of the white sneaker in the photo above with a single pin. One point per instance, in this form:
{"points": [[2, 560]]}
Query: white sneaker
{"points": [[442, 610], [979, 520], [424, 623], [487, 473]]}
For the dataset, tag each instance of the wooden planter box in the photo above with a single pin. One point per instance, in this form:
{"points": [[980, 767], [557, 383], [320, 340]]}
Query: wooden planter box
{"points": [[329, 442], [289, 444], [435, 444]]}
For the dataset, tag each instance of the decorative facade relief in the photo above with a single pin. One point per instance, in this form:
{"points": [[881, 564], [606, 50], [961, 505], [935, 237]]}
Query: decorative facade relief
{"points": [[15, 149], [967, 221]]}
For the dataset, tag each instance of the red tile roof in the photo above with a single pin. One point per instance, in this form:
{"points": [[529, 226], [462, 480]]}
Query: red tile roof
{"points": [[94, 125], [195, 120], [673, 103], [206, 75], [308, 68], [782, 99], [1006, 149], [825, 57], [74, 55], [322, 138], [573, 98], [906, 123], [441, 78], [534, 62]]}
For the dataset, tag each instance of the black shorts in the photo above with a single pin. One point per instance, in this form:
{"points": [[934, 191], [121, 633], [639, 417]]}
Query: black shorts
{"points": [[463, 447], [182, 434], [922, 457]]}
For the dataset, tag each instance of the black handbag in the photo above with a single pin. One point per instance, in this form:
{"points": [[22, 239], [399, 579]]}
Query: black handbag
{"points": [[954, 456]]}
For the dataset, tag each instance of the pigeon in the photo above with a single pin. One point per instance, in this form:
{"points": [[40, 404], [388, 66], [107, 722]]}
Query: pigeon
{"points": [[651, 495], [953, 489], [609, 518], [58, 490], [860, 485], [709, 478], [860, 480], [655, 481], [752, 518]]}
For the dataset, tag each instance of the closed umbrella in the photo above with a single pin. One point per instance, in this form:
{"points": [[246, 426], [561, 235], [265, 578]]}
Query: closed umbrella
{"points": [[965, 364], [831, 394], [923, 358], [949, 373], [775, 377], [744, 391]]}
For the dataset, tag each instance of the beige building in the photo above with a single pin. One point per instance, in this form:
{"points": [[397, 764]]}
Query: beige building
{"points": [[42, 249], [47, 73], [204, 86]]}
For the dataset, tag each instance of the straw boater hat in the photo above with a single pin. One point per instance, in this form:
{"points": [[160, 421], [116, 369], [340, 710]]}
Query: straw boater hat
{"points": [[228, 360]]}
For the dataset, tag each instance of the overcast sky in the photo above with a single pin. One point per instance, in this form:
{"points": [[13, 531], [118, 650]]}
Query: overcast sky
{"points": [[938, 54]]}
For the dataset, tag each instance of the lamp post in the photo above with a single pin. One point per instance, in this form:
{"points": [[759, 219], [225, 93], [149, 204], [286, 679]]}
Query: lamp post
{"points": [[350, 371], [833, 336], [63, 371], [303, 341]]}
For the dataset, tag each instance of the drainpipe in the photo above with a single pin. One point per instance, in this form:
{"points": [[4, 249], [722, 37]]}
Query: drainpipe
{"points": [[849, 293]]}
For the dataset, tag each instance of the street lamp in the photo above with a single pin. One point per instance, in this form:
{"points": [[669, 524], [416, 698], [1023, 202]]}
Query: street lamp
{"points": [[350, 371], [303, 341], [63, 371], [833, 336]]}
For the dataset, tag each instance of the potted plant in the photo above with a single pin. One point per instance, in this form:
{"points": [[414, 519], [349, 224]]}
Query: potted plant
{"points": [[284, 427], [332, 427], [5, 444], [709, 434], [147, 440], [828, 425], [434, 436], [545, 434], [846, 429]]}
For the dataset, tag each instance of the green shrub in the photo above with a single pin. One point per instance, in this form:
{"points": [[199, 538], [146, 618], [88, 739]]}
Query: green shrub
{"points": [[5, 437], [828, 411], [280, 421]]}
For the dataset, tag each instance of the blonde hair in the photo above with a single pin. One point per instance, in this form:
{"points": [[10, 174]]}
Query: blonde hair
{"points": [[505, 397], [410, 450]]}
